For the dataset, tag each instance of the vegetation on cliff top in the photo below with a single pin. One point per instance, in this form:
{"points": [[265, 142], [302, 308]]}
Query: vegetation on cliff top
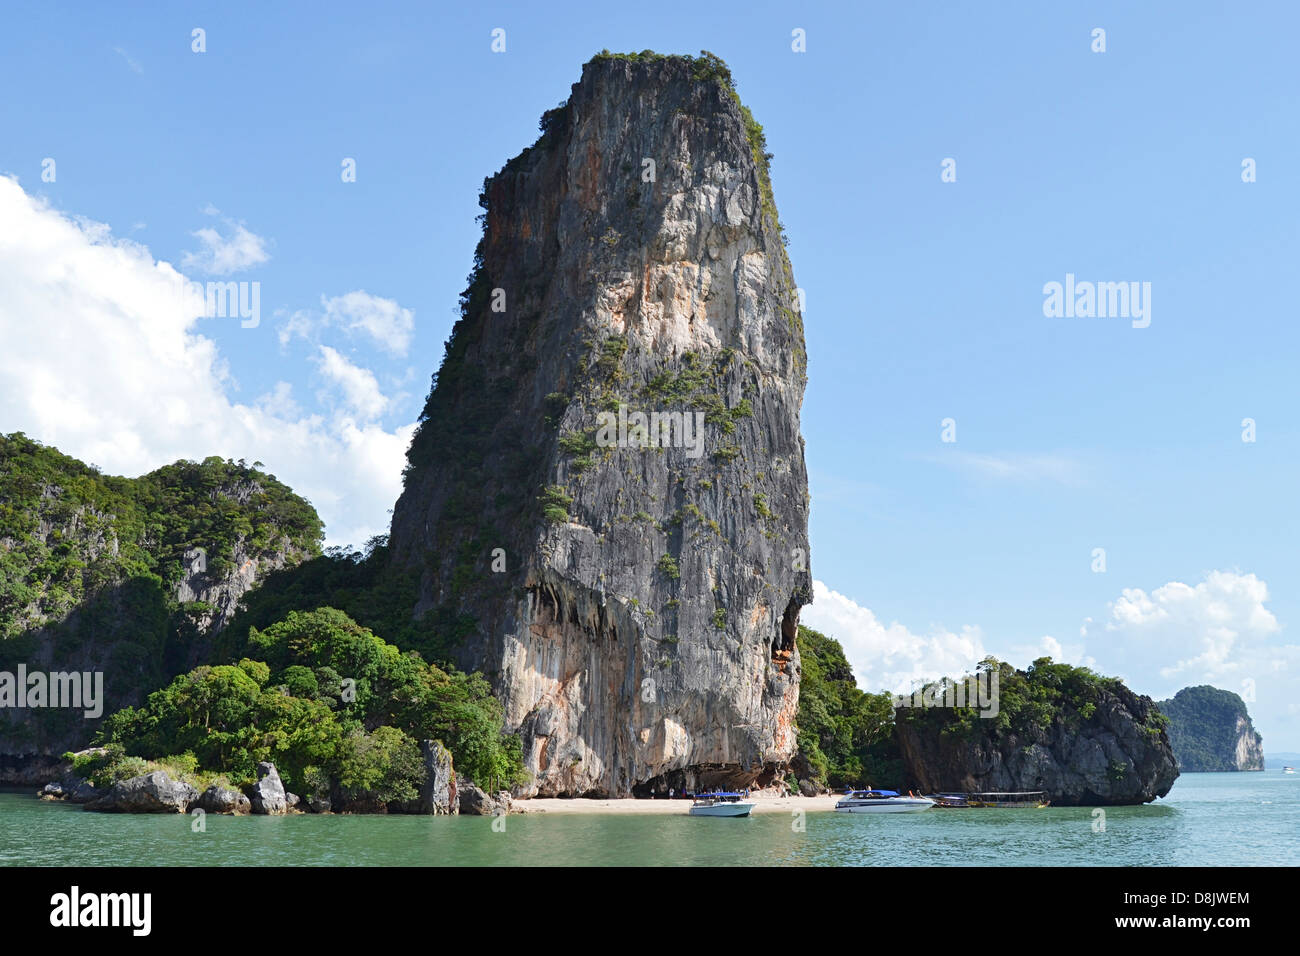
{"points": [[1028, 702], [1203, 722], [67, 531], [711, 68]]}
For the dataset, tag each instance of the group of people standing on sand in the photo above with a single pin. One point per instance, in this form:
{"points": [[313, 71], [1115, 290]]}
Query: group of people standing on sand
{"points": [[672, 794]]}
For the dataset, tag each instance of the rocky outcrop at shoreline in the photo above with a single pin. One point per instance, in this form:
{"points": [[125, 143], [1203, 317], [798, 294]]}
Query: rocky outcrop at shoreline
{"points": [[474, 801], [268, 796], [221, 800], [154, 792], [1110, 749], [440, 794], [159, 792]]}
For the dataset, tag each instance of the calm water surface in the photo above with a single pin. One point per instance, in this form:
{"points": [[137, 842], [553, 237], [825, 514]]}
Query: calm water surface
{"points": [[1215, 819]]}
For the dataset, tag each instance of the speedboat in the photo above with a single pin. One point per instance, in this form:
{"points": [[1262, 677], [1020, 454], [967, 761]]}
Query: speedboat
{"points": [[720, 805], [1288, 769], [881, 801]]}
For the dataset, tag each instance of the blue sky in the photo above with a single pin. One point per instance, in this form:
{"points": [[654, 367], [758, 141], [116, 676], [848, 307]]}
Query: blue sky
{"points": [[924, 298]]}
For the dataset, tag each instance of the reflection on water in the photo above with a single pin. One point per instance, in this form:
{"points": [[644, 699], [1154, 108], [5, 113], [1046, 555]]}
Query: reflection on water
{"points": [[1233, 819]]}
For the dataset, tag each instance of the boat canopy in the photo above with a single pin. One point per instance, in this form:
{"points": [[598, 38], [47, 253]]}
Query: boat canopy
{"points": [[878, 793]]}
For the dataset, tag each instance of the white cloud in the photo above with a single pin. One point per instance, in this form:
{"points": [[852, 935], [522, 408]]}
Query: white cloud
{"points": [[1056, 468], [890, 657], [360, 389], [98, 359], [299, 324], [1048, 646], [130, 60], [1210, 629], [222, 255], [383, 321], [1218, 631]]}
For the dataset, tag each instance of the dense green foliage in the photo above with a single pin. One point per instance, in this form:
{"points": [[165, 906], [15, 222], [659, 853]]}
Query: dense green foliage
{"points": [[846, 736], [335, 708], [1029, 702], [1203, 728], [67, 531], [111, 764], [363, 584]]}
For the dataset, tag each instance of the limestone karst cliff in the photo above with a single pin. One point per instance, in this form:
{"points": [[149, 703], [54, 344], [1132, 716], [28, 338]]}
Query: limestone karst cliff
{"points": [[126, 576], [1211, 731], [635, 606]]}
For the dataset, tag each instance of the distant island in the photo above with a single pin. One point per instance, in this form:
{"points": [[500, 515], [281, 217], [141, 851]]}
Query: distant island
{"points": [[1211, 731]]}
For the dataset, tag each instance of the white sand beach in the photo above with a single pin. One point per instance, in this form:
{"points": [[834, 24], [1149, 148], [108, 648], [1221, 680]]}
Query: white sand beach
{"points": [[762, 804]]}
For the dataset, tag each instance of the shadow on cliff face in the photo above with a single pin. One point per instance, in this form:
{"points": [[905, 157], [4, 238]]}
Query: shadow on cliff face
{"points": [[783, 644], [704, 777], [130, 632]]}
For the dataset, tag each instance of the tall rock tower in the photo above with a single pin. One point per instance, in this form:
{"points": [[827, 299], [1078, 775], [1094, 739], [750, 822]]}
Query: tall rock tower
{"points": [[632, 592]]}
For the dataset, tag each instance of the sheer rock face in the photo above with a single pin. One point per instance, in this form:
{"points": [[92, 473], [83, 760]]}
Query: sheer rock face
{"points": [[1248, 752], [641, 634]]}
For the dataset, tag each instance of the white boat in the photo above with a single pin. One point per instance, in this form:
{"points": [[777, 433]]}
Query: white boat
{"points": [[1288, 769], [720, 805], [881, 801]]}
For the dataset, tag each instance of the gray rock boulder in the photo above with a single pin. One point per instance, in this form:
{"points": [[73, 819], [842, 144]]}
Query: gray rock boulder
{"points": [[439, 793], [220, 800], [319, 804], [81, 791], [475, 801], [154, 792], [71, 788], [268, 797]]}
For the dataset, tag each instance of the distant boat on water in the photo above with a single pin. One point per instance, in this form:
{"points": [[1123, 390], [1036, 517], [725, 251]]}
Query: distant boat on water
{"points": [[1288, 769]]}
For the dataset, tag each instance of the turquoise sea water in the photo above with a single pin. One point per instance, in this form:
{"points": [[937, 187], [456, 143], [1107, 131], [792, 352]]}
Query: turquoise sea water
{"points": [[1212, 819]]}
